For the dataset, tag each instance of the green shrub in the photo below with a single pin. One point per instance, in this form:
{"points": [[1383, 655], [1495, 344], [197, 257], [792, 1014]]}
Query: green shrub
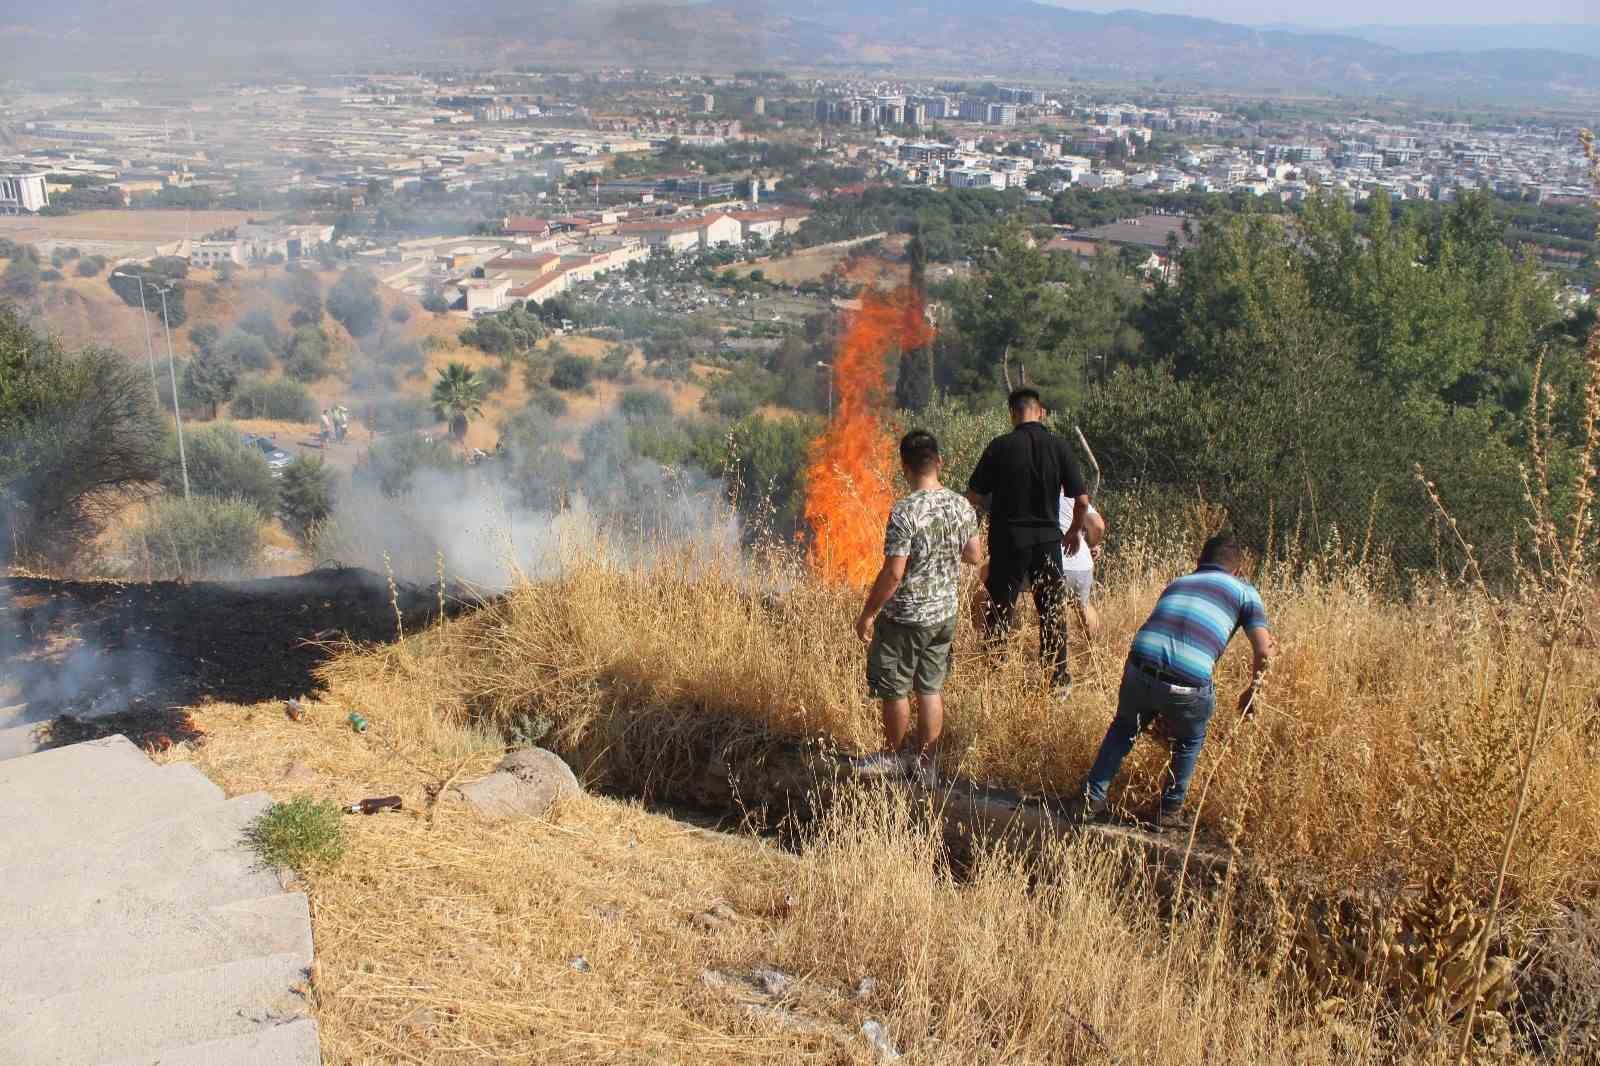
{"points": [[260, 322], [302, 834], [90, 265], [405, 355], [571, 373], [305, 494], [643, 403], [309, 355], [614, 366], [249, 350], [204, 537], [394, 461], [495, 378], [400, 314], [79, 434], [221, 465], [282, 401], [549, 401], [353, 301]]}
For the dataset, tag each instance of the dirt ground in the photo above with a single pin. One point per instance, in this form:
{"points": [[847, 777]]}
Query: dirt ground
{"points": [[136, 226], [816, 265]]}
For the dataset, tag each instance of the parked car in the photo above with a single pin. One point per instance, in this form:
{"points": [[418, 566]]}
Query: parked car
{"points": [[275, 456]]}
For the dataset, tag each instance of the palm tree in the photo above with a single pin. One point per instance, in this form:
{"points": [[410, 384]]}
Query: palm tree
{"points": [[458, 397]]}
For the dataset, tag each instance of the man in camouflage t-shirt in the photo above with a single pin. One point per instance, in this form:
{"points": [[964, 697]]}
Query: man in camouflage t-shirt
{"points": [[909, 618]]}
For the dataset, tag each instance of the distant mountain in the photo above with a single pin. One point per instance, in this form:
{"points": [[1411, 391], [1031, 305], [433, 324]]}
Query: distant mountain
{"points": [[953, 38], [1578, 37]]}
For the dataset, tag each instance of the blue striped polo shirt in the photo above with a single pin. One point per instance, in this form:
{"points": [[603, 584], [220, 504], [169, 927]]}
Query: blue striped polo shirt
{"points": [[1193, 621]]}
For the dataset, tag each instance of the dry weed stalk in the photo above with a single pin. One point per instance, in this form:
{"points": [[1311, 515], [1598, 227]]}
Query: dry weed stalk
{"points": [[1568, 581]]}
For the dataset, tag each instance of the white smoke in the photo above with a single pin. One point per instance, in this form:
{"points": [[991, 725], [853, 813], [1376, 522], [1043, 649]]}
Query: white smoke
{"points": [[480, 526]]}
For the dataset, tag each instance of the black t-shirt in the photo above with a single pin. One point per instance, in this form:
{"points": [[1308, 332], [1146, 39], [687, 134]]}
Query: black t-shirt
{"points": [[1024, 474]]}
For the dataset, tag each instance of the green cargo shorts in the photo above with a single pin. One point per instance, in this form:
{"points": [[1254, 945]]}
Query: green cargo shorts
{"points": [[904, 659]]}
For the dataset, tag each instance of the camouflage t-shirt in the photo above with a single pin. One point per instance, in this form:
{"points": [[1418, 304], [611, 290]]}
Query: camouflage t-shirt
{"points": [[928, 527]]}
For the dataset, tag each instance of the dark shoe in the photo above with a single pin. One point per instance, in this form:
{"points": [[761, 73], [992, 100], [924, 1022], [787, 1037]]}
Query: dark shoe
{"points": [[1061, 685], [1174, 823], [1081, 810], [923, 772]]}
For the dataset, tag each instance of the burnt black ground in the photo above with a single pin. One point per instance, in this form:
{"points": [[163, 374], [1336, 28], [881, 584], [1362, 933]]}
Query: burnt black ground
{"points": [[110, 655]]}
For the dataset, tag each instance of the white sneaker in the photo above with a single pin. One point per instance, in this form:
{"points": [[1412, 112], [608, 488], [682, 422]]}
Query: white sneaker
{"points": [[880, 764]]}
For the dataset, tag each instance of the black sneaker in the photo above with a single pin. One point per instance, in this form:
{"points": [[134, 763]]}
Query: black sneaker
{"points": [[1174, 823], [1081, 810], [1061, 685]]}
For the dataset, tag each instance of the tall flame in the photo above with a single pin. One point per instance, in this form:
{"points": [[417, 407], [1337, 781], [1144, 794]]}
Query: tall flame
{"points": [[850, 473]]}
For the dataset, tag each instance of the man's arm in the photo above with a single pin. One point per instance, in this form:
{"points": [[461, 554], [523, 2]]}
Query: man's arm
{"points": [[972, 550], [889, 578], [1080, 511], [1264, 648], [1094, 528], [1072, 488], [981, 483]]}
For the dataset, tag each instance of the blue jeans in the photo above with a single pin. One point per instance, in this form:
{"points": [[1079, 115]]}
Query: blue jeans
{"points": [[1185, 711]]}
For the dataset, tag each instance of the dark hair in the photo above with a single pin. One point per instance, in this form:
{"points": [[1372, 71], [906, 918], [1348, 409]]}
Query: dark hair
{"points": [[919, 450], [1019, 399], [1221, 550]]}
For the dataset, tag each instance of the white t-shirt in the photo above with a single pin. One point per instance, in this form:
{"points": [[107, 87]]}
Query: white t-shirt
{"points": [[1080, 559]]}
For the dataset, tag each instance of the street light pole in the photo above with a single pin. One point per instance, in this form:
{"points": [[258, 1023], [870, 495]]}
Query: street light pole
{"points": [[177, 414]]}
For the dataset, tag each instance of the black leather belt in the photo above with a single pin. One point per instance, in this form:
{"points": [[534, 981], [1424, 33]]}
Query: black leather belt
{"points": [[1166, 677]]}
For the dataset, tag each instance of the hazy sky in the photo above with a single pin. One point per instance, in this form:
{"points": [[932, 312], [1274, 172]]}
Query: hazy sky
{"points": [[1358, 12]]}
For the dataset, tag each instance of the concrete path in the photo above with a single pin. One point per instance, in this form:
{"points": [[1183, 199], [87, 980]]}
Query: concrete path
{"points": [[136, 928]]}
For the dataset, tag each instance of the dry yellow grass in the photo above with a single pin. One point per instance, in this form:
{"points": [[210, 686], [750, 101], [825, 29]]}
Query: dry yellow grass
{"points": [[443, 938], [1384, 761], [1385, 747]]}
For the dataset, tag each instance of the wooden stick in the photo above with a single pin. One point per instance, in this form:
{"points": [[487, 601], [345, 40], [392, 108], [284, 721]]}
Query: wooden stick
{"points": [[1094, 464]]}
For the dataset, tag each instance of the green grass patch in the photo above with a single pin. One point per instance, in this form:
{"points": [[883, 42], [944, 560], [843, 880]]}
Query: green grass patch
{"points": [[303, 834]]}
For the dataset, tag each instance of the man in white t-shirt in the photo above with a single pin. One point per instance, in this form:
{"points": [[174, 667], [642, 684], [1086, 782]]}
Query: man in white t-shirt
{"points": [[1078, 567]]}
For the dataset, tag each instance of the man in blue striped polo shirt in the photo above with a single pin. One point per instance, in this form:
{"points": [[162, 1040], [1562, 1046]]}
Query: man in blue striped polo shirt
{"points": [[1169, 674]]}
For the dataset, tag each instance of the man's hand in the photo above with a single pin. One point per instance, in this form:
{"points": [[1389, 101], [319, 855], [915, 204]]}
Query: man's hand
{"points": [[1247, 702], [864, 627]]}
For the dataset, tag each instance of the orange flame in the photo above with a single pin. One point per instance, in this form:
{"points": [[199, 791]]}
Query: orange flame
{"points": [[850, 473]]}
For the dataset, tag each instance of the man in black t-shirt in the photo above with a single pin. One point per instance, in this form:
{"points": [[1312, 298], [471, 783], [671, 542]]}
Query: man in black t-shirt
{"points": [[1024, 474]]}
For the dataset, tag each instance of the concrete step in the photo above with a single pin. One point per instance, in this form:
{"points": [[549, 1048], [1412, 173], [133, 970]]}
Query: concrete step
{"points": [[293, 1044], [19, 740], [91, 790], [135, 1019], [144, 938], [197, 858]]}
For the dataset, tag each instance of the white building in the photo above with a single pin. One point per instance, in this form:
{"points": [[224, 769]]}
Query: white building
{"points": [[484, 295], [970, 178], [210, 253], [22, 192], [1104, 179], [681, 235]]}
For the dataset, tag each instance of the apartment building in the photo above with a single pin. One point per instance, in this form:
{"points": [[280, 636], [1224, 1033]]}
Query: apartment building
{"points": [[23, 192]]}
